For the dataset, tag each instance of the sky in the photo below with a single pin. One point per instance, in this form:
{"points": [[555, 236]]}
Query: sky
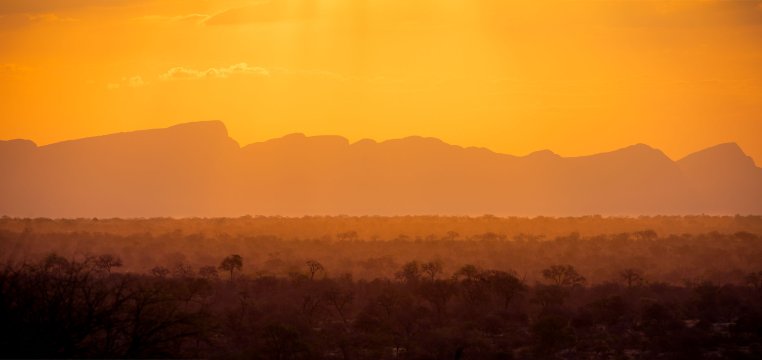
{"points": [[575, 77]]}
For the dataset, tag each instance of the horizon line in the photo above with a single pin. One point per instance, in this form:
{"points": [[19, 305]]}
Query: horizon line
{"points": [[350, 142]]}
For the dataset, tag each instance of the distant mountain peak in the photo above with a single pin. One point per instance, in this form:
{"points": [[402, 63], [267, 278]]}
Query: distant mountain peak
{"points": [[631, 153], [19, 143], [364, 142], [296, 141], [421, 143], [296, 135], [721, 154], [216, 125], [543, 154], [640, 147], [724, 149]]}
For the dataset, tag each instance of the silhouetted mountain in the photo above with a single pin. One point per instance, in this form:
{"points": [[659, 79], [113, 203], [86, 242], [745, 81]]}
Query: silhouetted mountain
{"points": [[197, 170], [726, 178], [181, 170]]}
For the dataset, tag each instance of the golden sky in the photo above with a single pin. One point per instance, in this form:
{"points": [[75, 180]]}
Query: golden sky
{"points": [[576, 77]]}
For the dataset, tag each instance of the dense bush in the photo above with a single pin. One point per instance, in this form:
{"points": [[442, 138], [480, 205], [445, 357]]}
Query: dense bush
{"points": [[382, 288], [58, 307]]}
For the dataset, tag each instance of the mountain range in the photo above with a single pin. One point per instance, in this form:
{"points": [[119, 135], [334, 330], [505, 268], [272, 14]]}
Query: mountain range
{"points": [[196, 169]]}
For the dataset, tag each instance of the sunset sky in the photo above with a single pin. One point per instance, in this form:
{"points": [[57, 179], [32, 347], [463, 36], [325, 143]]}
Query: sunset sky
{"points": [[576, 77]]}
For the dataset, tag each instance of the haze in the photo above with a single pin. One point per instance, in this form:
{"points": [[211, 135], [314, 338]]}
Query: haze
{"points": [[196, 169], [381, 179], [576, 77]]}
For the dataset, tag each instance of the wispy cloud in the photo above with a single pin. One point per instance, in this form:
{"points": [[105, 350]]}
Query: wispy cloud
{"points": [[49, 17], [184, 73], [180, 73], [131, 82], [187, 18]]}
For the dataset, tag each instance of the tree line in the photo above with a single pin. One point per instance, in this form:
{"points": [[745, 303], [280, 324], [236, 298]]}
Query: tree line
{"points": [[88, 307]]}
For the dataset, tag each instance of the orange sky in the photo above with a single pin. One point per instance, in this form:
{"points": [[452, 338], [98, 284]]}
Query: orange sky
{"points": [[575, 77]]}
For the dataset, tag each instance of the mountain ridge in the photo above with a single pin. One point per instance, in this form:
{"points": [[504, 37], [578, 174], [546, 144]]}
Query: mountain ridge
{"points": [[220, 127], [196, 169]]}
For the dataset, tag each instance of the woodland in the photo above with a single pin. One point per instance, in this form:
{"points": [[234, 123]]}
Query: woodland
{"points": [[382, 288]]}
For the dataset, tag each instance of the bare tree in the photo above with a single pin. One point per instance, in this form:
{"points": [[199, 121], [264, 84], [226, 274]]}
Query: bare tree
{"points": [[107, 261], [563, 275], [314, 267], [340, 300]]}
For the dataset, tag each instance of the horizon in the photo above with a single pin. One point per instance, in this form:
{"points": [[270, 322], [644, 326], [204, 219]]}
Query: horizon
{"points": [[381, 141]]}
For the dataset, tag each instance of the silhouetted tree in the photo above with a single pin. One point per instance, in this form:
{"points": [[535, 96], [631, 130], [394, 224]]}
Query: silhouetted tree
{"points": [[107, 261], [432, 269], [232, 263], [467, 272], [563, 275], [283, 342], [340, 299], [632, 277], [505, 285], [409, 273], [314, 267]]}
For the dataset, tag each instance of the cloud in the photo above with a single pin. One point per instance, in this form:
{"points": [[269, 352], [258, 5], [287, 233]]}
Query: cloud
{"points": [[131, 82], [49, 17], [134, 81], [240, 69], [192, 18], [184, 73], [265, 12]]}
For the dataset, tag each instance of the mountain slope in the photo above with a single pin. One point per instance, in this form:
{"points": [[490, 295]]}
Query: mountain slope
{"points": [[181, 170], [197, 170], [728, 179]]}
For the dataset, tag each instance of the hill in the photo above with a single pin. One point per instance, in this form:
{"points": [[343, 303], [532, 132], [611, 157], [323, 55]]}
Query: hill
{"points": [[196, 169]]}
